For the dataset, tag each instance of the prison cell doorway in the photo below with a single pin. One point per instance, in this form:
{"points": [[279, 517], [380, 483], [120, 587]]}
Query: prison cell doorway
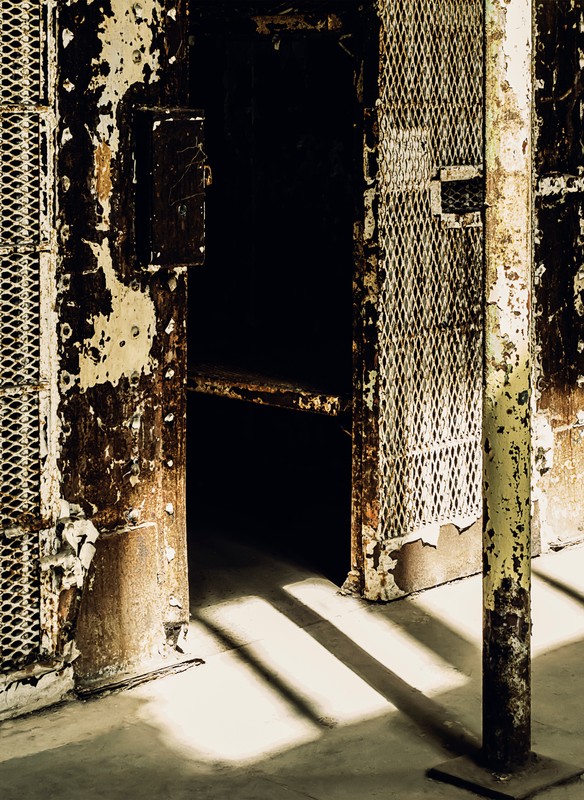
{"points": [[270, 317]]}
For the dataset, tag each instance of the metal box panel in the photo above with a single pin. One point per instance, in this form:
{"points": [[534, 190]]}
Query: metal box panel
{"points": [[170, 170]]}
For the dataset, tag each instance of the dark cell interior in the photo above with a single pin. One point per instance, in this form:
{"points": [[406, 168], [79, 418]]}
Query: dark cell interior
{"points": [[272, 478], [275, 294]]}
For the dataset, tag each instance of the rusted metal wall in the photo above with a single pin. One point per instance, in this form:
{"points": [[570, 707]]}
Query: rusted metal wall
{"points": [[121, 341], [559, 271], [113, 560]]}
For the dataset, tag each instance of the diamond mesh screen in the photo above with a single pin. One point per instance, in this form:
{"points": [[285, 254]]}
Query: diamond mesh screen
{"points": [[20, 598], [430, 324], [21, 67], [20, 179], [463, 197], [19, 318], [24, 225], [19, 456]]}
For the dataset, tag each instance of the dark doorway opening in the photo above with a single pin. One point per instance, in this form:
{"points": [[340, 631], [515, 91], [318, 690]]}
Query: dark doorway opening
{"points": [[270, 324]]}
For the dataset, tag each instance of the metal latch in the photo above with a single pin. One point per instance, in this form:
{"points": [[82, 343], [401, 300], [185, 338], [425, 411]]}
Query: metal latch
{"points": [[457, 196]]}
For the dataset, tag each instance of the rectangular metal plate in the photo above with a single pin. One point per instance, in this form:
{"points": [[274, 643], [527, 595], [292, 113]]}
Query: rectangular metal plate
{"points": [[170, 162]]}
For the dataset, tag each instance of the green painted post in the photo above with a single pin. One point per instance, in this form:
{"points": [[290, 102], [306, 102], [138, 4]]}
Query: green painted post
{"points": [[507, 385], [505, 767]]}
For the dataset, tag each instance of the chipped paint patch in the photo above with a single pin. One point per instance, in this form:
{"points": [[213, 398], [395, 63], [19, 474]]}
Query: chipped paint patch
{"points": [[127, 29], [370, 388], [560, 185], [127, 37], [122, 339], [543, 443], [103, 180], [370, 222], [72, 553], [579, 292], [379, 566], [33, 688]]}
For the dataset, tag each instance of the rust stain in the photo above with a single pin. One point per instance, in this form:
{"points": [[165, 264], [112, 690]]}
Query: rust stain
{"points": [[103, 181], [457, 553], [263, 390], [558, 268], [270, 25]]}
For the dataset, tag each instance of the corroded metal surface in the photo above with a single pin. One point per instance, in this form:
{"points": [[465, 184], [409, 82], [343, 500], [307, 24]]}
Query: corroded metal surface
{"points": [[263, 390], [122, 331], [559, 271], [120, 614], [507, 386]]}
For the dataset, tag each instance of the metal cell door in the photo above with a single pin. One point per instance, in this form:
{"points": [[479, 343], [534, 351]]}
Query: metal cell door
{"points": [[430, 242]]}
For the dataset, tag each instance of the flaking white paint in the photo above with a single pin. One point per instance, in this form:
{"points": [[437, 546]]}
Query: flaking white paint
{"points": [[128, 29], [122, 339], [380, 583], [121, 33], [36, 687], [579, 292]]}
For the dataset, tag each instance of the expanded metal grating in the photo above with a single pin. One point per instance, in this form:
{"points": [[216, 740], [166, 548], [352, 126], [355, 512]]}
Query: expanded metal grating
{"points": [[430, 324], [19, 456], [21, 185], [24, 227], [22, 51], [463, 197], [20, 599], [19, 318]]}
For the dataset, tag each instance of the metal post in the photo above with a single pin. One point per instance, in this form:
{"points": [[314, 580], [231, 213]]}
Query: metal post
{"points": [[507, 386], [506, 748]]}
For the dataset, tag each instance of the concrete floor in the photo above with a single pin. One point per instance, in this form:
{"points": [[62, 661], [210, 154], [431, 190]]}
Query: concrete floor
{"points": [[306, 694]]}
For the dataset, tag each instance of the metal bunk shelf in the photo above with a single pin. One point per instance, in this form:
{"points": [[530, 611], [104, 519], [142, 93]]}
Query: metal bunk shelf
{"points": [[251, 387]]}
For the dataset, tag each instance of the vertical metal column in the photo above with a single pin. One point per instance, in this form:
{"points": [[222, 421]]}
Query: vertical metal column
{"points": [[506, 745], [507, 386]]}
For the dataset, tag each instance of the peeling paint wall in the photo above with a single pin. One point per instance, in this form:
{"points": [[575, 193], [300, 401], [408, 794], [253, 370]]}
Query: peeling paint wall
{"points": [[121, 341], [122, 338], [112, 548], [559, 275]]}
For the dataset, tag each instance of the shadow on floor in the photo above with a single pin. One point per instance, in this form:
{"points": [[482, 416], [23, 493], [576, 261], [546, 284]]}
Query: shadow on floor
{"points": [[168, 740]]}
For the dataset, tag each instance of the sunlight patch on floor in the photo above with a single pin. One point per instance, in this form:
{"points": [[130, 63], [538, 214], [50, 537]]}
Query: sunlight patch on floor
{"points": [[457, 606], [276, 688], [557, 618], [224, 712], [311, 672], [379, 637]]}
